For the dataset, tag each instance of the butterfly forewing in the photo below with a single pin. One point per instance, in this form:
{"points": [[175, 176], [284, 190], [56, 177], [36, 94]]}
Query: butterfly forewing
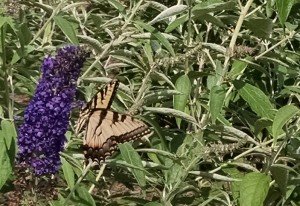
{"points": [[101, 101], [104, 98]]}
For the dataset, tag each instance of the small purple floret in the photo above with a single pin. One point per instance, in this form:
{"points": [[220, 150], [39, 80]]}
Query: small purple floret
{"points": [[42, 135]]}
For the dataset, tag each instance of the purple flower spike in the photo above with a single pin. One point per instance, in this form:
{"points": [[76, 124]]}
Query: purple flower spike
{"points": [[42, 135]]}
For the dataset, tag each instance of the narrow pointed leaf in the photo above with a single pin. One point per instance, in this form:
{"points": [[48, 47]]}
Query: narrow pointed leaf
{"points": [[9, 132], [283, 115], [174, 112], [174, 10], [158, 36], [6, 167], [217, 96], [68, 173], [283, 8], [257, 100], [85, 198], [173, 25], [67, 29], [183, 85], [117, 5], [133, 158]]}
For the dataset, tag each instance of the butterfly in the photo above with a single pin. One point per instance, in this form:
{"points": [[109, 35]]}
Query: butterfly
{"points": [[104, 129]]}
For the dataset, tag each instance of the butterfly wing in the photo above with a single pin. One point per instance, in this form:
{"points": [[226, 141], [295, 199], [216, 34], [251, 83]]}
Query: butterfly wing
{"points": [[105, 129], [101, 101]]}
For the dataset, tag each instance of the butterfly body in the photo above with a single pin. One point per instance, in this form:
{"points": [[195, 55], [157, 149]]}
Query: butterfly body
{"points": [[104, 129]]}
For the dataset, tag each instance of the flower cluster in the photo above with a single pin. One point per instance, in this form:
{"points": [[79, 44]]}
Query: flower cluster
{"points": [[42, 135]]}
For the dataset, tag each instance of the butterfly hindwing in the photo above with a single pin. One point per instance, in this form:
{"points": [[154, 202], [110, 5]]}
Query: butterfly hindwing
{"points": [[106, 129]]}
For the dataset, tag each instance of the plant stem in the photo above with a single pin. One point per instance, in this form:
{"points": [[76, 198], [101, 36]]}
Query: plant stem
{"points": [[98, 177], [110, 44], [6, 73], [275, 45], [230, 49], [55, 11]]}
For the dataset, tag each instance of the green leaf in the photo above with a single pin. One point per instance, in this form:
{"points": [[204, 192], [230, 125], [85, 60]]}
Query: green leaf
{"points": [[162, 77], [283, 115], [261, 27], [68, 173], [174, 10], [129, 61], [256, 99], [238, 68], [205, 7], [24, 34], [84, 197], [9, 132], [174, 112], [153, 204], [254, 189], [217, 96], [117, 5], [158, 36], [148, 52], [93, 43], [173, 25], [261, 124], [22, 52], [2, 21], [211, 81], [215, 20], [157, 96], [8, 21], [133, 158], [175, 173], [6, 167], [183, 85], [67, 29], [106, 80], [281, 177], [188, 151], [158, 131], [283, 8]]}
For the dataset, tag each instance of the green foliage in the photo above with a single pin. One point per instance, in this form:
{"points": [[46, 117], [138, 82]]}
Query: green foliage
{"points": [[217, 81], [254, 189], [132, 157], [6, 167], [183, 85]]}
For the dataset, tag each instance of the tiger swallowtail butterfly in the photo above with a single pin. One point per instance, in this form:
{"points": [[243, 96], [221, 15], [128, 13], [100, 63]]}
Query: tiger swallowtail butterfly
{"points": [[104, 129]]}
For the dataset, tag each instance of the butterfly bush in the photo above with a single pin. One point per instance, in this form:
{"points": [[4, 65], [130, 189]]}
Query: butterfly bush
{"points": [[42, 135]]}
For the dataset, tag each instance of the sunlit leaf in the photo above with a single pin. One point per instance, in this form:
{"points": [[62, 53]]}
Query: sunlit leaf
{"points": [[84, 197], [173, 25], [283, 115], [6, 167], [254, 189], [261, 27], [133, 158], [68, 173], [173, 112], [67, 29], [174, 10], [217, 96], [158, 36], [284, 7], [257, 100], [183, 85]]}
